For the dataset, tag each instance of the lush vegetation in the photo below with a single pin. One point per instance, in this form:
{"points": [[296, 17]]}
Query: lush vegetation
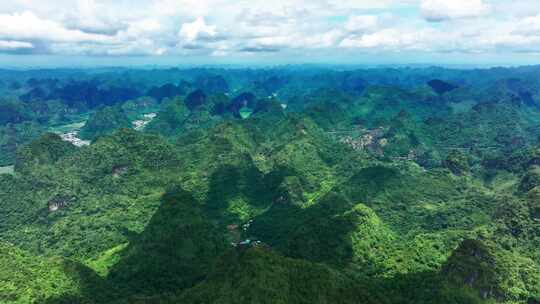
{"points": [[292, 185]]}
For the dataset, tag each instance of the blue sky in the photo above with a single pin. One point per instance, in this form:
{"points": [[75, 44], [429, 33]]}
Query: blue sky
{"points": [[165, 32]]}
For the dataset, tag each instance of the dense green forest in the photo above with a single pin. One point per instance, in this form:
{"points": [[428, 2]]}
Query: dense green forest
{"points": [[298, 184]]}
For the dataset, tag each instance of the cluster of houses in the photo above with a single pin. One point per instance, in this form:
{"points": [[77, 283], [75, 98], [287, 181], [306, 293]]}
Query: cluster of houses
{"points": [[246, 226], [247, 243], [250, 242], [73, 138], [140, 124], [59, 202], [371, 140], [411, 156]]}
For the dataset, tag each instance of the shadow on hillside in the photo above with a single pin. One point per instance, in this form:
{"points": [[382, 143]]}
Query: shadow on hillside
{"points": [[243, 183], [181, 245], [174, 251], [318, 233], [258, 275], [184, 238], [92, 288], [420, 287], [368, 182]]}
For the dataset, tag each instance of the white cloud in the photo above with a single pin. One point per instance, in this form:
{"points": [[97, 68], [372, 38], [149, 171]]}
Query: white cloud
{"points": [[441, 10], [347, 5], [529, 26], [519, 9], [410, 39], [219, 53], [187, 8], [26, 25], [325, 40], [362, 23], [141, 29], [388, 38], [91, 16], [197, 29], [13, 45], [237, 28]]}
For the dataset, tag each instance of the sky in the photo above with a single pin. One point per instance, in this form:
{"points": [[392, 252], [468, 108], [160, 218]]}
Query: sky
{"points": [[168, 32]]}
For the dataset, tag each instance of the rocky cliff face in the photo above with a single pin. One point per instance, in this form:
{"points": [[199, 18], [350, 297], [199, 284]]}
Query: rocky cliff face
{"points": [[494, 273]]}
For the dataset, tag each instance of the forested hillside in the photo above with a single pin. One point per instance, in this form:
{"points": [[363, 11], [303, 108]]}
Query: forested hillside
{"points": [[283, 185]]}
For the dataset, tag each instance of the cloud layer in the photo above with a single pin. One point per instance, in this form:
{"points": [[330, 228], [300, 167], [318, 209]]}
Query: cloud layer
{"points": [[247, 28]]}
